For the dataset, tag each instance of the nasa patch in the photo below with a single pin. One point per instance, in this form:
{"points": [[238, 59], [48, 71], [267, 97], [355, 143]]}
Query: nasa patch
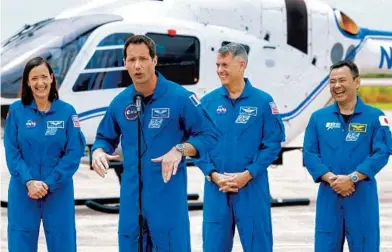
{"points": [[130, 112], [31, 124], [221, 110]]}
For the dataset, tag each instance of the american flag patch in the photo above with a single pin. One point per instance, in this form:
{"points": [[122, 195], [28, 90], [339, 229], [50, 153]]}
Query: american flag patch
{"points": [[75, 120], [274, 108], [194, 100]]}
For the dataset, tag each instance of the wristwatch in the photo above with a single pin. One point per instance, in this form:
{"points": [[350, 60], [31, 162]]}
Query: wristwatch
{"points": [[354, 178], [180, 148]]}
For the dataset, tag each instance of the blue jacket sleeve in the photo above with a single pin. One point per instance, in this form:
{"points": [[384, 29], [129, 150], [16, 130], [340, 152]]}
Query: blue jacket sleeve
{"points": [[108, 133], [271, 142], [14, 158], [381, 149], [202, 131], [70, 161], [311, 152]]}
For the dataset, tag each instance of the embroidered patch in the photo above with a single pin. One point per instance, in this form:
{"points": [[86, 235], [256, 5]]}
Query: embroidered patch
{"points": [[130, 112], [50, 131], [352, 137], [195, 100], [55, 124], [160, 113], [250, 111], [31, 124], [383, 121], [332, 125], [274, 108], [242, 119], [155, 123], [75, 120], [221, 110], [357, 127]]}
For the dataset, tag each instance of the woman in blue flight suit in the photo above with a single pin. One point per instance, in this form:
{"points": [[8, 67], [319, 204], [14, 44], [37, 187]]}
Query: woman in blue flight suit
{"points": [[43, 147]]}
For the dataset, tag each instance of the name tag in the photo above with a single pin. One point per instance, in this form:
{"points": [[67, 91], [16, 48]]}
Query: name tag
{"points": [[160, 113], [55, 124]]}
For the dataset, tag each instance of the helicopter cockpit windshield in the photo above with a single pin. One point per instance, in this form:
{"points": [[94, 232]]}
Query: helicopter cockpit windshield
{"points": [[57, 40]]}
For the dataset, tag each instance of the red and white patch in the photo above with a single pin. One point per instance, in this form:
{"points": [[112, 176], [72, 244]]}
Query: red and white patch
{"points": [[75, 120], [274, 108], [383, 121]]}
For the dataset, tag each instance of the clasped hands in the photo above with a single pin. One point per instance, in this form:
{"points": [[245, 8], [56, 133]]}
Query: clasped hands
{"points": [[231, 182], [37, 189], [341, 184]]}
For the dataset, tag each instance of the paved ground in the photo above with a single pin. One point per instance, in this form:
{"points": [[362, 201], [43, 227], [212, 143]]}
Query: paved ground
{"points": [[293, 226]]}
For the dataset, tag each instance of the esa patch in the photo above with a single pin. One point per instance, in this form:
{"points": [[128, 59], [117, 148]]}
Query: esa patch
{"points": [[155, 123], [160, 113], [249, 111], [352, 136], [130, 112], [242, 119], [357, 127]]}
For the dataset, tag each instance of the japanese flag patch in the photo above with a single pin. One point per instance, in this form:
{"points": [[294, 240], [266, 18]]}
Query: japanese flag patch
{"points": [[195, 100], [383, 121], [75, 120], [274, 108]]}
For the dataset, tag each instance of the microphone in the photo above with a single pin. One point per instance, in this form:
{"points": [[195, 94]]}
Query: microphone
{"points": [[138, 97]]}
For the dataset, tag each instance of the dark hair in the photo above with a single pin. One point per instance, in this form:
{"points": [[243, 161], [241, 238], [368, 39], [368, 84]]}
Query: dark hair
{"points": [[351, 65], [26, 92], [141, 39]]}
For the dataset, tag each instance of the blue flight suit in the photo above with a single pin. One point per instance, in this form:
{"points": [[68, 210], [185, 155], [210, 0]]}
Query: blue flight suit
{"points": [[45, 147], [362, 144], [252, 132], [172, 116]]}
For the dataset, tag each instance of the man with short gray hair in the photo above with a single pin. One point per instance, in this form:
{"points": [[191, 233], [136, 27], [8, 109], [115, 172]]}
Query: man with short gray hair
{"points": [[236, 191]]}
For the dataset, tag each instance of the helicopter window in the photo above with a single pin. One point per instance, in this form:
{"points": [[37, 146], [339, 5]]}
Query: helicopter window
{"points": [[297, 25], [118, 78], [57, 40], [178, 57], [245, 46], [115, 39], [106, 59]]}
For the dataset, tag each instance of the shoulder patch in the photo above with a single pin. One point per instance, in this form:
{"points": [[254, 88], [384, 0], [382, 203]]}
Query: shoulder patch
{"points": [[75, 120], [195, 100], [383, 120], [274, 108]]}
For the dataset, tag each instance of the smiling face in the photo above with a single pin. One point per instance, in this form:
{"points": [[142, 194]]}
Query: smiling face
{"points": [[230, 69], [40, 81], [343, 85]]}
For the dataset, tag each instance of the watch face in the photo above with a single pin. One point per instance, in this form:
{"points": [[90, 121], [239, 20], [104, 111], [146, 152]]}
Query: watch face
{"points": [[354, 178]]}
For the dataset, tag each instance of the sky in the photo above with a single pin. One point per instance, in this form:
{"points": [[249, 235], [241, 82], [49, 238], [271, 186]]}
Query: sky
{"points": [[367, 13]]}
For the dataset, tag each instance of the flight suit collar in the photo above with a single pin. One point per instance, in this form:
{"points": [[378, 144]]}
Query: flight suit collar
{"points": [[53, 106], [161, 86], [245, 93], [359, 107]]}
